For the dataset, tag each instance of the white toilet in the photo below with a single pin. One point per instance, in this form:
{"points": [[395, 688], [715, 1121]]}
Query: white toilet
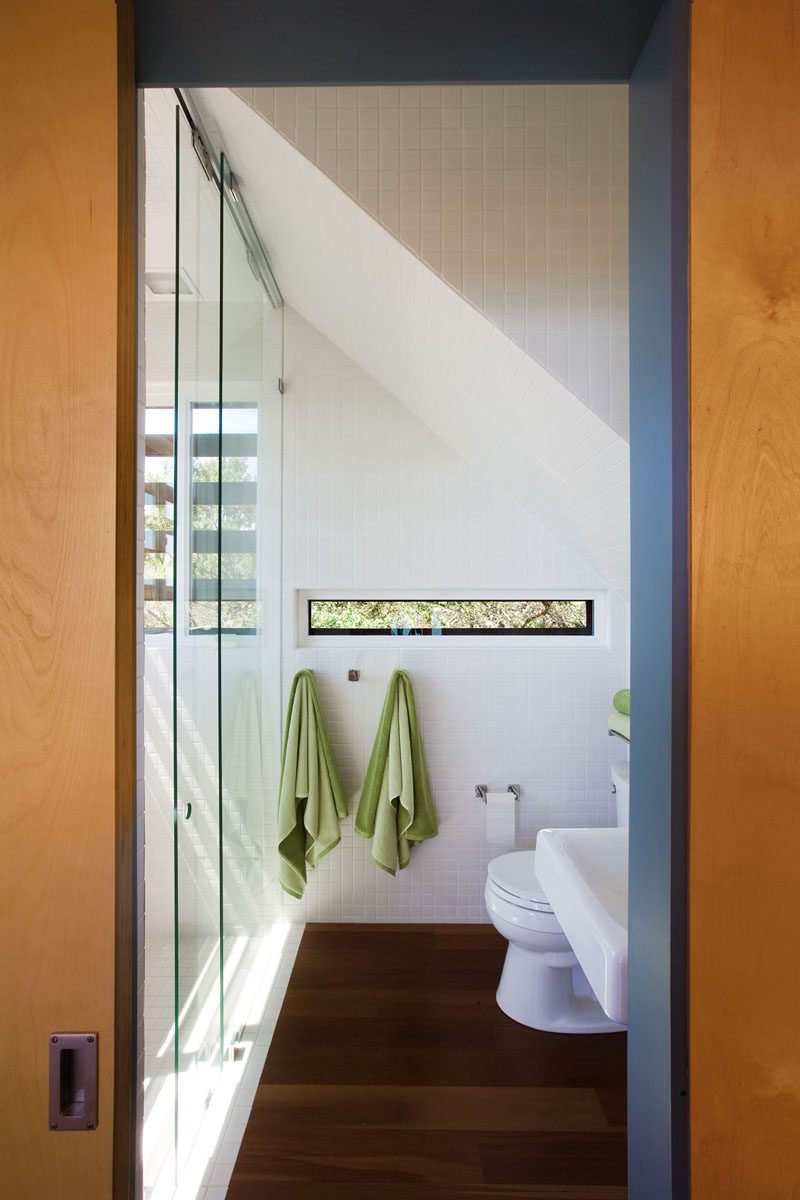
{"points": [[542, 984]]}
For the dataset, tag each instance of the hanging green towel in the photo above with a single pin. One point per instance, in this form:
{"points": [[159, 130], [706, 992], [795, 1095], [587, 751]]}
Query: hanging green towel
{"points": [[396, 807], [620, 723], [622, 701], [310, 800]]}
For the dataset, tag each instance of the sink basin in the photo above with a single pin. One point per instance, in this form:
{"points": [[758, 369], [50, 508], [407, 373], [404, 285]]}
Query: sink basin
{"points": [[584, 874]]}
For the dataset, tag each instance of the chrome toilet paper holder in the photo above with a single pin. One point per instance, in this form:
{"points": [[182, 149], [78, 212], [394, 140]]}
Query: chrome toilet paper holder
{"points": [[481, 789]]}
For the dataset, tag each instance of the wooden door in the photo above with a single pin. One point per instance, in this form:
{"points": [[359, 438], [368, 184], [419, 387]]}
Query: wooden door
{"points": [[744, 828], [67, 647]]}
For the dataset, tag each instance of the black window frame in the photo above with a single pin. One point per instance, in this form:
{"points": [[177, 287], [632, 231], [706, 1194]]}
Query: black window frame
{"points": [[386, 631]]}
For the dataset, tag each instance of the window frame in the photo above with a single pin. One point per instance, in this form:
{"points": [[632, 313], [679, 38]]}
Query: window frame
{"points": [[462, 639], [384, 632]]}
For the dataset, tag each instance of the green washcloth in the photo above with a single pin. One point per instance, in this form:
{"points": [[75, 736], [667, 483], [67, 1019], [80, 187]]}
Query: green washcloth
{"points": [[622, 702], [310, 799], [396, 806], [620, 723]]}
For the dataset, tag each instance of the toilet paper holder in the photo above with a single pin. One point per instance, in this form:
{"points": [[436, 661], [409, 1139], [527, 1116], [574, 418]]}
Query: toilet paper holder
{"points": [[481, 789]]}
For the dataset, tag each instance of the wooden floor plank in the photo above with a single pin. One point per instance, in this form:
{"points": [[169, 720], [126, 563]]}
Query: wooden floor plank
{"points": [[377, 1156], [614, 1102], [392, 1072], [475, 1108], [566, 1158], [255, 1189]]}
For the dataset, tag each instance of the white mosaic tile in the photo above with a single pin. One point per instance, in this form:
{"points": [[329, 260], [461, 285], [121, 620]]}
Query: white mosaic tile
{"points": [[516, 196]]}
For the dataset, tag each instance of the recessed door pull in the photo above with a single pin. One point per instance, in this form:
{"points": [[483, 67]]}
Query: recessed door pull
{"points": [[73, 1082]]}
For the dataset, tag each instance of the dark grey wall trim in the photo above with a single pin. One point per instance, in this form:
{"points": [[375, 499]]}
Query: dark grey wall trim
{"points": [[243, 43], [657, 1037], [681, 649]]}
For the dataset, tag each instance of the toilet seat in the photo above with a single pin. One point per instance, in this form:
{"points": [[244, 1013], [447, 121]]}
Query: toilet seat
{"points": [[519, 916], [542, 984], [513, 877]]}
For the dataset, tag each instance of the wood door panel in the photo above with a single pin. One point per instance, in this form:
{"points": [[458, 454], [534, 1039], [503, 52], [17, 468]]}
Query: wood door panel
{"points": [[59, 233], [745, 663]]}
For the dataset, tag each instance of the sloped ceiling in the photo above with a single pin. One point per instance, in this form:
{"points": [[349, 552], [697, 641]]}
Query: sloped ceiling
{"points": [[428, 346], [516, 196]]}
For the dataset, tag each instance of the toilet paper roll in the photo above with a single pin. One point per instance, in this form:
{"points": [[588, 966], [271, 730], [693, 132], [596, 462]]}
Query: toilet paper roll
{"points": [[501, 818]]}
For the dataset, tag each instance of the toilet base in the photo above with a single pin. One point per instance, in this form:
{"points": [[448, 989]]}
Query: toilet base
{"points": [[550, 992]]}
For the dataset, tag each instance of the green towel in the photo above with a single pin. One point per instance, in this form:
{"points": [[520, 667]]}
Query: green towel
{"points": [[310, 799], [622, 702], [396, 806], [620, 723]]}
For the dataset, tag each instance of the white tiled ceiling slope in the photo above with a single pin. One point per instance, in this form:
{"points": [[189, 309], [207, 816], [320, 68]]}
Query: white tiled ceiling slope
{"points": [[470, 383], [516, 196]]}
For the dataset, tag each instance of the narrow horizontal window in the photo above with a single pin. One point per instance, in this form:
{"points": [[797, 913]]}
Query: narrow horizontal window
{"points": [[448, 618]]}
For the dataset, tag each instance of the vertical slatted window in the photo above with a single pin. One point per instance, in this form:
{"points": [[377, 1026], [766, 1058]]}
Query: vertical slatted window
{"points": [[159, 516], [229, 506], [226, 507]]}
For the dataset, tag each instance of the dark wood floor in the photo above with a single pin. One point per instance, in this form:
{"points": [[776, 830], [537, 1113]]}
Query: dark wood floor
{"points": [[394, 1075]]}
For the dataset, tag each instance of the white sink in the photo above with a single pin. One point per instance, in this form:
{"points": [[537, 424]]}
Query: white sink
{"points": [[584, 874]]}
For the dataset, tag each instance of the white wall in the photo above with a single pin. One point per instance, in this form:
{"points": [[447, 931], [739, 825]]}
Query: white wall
{"points": [[373, 498], [516, 196], [428, 346]]}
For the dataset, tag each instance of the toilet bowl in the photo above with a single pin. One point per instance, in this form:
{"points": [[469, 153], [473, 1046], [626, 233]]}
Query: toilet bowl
{"points": [[542, 985]]}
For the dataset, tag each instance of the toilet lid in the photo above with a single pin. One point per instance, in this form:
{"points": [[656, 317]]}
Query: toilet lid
{"points": [[514, 873]]}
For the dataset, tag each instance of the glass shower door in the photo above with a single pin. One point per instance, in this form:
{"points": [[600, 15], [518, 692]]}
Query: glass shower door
{"points": [[249, 516], [197, 841], [212, 652], [240, 614]]}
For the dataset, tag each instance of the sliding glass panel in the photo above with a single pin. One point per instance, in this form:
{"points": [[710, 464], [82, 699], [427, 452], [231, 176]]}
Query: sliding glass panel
{"points": [[212, 629], [250, 368], [197, 838], [158, 1140]]}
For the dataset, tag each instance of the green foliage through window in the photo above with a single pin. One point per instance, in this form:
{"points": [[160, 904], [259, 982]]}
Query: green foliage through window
{"points": [[435, 617], [222, 579]]}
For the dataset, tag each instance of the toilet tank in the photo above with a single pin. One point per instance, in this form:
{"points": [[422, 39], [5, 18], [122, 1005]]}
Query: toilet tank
{"points": [[620, 782]]}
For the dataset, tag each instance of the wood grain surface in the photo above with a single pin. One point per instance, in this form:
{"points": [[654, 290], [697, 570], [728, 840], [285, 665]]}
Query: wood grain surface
{"points": [[744, 831], [59, 314], [393, 1073]]}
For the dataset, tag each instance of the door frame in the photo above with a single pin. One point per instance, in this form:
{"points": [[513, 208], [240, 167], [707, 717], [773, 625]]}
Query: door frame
{"points": [[183, 46]]}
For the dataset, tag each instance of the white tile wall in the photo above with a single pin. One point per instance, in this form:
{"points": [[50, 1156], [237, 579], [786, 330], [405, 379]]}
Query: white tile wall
{"points": [[430, 348], [516, 196], [374, 499]]}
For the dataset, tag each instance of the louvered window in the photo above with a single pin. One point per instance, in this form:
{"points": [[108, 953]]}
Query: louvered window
{"points": [[217, 579], [230, 507]]}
